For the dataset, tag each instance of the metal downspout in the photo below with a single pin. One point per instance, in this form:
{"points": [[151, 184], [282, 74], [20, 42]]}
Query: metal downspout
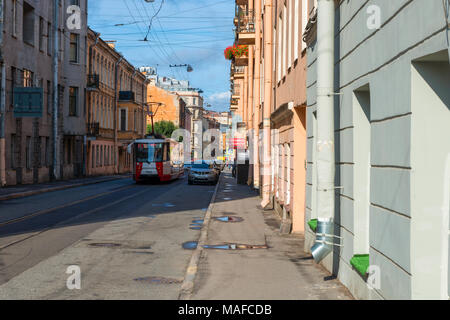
{"points": [[325, 122]]}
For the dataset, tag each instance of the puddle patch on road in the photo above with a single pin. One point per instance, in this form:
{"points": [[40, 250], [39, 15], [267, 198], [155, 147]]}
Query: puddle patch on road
{"points": [[158, 280], [200, 221], [195, 228], [229, 219], [190, 245], [227, 199]]}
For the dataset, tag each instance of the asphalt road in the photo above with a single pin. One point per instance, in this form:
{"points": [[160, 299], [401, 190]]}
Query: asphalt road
{"points": [[126, 239]]}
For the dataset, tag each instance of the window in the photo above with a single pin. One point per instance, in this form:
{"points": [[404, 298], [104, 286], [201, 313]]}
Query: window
{"points": [[73, 101], [74, 43], [29, 153], [13, 151], [289, 35], [304, 20], [27, 78], [41, 34], [280, 23], [285, 31], [123, 119], [49, 38], [47, 151], [28, 24], [49, 97], [14, 17], [93, 157]]}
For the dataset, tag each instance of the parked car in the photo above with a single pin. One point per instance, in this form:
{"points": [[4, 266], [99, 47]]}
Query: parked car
{"points": [[203, 173]]}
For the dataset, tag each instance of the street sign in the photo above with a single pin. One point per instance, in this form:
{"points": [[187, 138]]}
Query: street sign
{"points": [[28, 102]]}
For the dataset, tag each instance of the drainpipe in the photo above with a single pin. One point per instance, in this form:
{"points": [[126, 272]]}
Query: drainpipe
{"points": [[266, 156], [2, 105], [325, 124], [116, 152], [257, 94]]}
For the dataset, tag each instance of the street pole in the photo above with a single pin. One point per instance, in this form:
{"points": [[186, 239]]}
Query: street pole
{"points": [[56, 169], [2, 104]]}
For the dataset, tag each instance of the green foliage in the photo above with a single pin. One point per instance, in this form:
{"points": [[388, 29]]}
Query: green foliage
{"points": [[165, 128]]}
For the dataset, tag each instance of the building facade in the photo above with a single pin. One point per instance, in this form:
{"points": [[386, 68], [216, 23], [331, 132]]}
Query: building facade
{"points": [[132, 110], [101, 96], [28, 143], [268, 96], [391, 112]]}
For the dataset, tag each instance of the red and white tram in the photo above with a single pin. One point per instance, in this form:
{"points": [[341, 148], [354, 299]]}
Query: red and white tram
{"points": [[160, 159]]}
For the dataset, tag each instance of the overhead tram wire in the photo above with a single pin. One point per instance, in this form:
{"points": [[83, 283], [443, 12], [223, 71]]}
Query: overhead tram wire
{"points": [[160, 48], [132, 17], [155, 36], [171, 48]]}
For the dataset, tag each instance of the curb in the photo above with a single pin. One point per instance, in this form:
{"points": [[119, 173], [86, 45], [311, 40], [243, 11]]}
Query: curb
{"points": [[188, 283], [35, 192]]}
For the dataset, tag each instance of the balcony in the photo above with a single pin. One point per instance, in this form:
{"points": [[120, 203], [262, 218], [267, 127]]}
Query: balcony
{"points": [[242, 2], [126, 96], [235, 91], [245, 27], [93, 82], [234, 104], [238, 72], [93, 129]]}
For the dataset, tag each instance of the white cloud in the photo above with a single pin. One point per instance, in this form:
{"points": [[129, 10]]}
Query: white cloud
{"points": [[220, 96]]}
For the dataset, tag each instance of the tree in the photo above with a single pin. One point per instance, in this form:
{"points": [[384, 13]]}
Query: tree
{"points": [[165, 128]]}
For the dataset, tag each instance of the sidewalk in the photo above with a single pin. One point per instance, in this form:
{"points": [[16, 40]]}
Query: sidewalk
{"points": [[20, 191], [283, 271]]}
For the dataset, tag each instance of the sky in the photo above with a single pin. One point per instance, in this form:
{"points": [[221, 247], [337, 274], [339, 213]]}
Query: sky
{"points": [[182, 32]]}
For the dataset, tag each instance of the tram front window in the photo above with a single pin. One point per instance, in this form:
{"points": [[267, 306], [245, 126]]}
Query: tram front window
{"points": [[149, 152]]}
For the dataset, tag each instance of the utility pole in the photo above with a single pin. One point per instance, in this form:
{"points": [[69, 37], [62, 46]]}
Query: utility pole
{"points": [[2, 104], [56, 169]]}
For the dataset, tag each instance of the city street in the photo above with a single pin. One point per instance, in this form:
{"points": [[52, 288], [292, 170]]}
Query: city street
{"points": [[115, 232]]}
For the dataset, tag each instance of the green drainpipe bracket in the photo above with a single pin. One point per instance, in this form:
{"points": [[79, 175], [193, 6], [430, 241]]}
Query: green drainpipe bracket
{"points": [[313, 224], [361, 263]]}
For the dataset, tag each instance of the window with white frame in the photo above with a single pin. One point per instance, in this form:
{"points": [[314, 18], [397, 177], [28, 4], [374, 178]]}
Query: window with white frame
{"points": [[289, 35], [296, 28], [304, 20], [285, 31]]}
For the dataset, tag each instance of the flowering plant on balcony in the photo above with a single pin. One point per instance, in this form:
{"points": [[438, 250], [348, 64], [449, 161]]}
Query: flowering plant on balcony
{"points": [[236, 52]]}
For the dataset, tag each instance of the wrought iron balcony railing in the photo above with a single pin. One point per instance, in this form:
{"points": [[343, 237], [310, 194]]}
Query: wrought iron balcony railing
{"points": [[93, 129], [93, 81], [126, 96], [245, 20]]}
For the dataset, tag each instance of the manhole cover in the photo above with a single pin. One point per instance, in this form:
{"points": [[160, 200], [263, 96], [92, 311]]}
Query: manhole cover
{"points": [[229, 219], [105, 244], [158, 280], [190, 245]]}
